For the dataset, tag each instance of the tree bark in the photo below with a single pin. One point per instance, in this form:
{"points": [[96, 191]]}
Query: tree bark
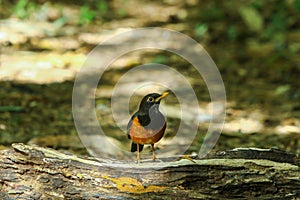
{"points": [[32, 172]]}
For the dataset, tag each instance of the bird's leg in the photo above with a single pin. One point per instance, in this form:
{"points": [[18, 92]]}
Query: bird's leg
{"points": [[153, 152], [138, 153]]}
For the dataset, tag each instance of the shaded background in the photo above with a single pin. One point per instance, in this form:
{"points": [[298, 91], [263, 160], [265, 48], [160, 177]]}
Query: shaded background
{"points": [[255, 44]]}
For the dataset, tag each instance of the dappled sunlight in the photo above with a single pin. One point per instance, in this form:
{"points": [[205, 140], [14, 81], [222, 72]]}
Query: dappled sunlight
{"points": [[255, 46]]}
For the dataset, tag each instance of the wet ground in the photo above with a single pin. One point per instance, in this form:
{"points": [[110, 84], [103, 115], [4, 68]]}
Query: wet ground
{"points": [[255, 45]]}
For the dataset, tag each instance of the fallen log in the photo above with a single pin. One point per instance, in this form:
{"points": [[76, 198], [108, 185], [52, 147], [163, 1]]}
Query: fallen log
{"points": [[32, 172]]}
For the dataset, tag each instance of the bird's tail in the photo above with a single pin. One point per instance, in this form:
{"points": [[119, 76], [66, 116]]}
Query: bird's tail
{"points": [[134, 147]]}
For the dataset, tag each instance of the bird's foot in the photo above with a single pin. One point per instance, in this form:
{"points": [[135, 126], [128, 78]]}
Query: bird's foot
{"points": [[138, 161], [154, 158]]}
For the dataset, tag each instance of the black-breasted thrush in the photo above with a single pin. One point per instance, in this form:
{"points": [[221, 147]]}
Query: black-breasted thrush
{"points": [[148, 124]]}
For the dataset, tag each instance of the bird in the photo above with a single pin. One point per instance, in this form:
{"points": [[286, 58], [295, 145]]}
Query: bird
{"points": [[147, 125]]}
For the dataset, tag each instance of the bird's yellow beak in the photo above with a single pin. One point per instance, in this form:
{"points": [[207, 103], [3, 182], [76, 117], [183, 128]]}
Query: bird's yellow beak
{"points": [[163, 95]]}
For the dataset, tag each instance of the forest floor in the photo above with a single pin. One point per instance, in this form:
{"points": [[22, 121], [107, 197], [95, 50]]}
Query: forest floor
{"points": [[44, 45]]}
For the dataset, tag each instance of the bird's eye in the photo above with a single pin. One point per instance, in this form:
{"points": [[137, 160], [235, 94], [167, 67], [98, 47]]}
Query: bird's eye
{"points": [[150, 99]]}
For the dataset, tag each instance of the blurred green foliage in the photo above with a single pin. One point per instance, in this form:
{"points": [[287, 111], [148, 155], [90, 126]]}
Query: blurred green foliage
{"points": [[252, 18], [297, 4], [89, 11], [87, 15], [159, 58], [201, 29], [23, 8], [102, 7], [255, 44]]}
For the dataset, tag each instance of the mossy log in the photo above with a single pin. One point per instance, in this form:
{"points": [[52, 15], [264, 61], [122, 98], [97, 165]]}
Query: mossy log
{"points": [[32, 172]]}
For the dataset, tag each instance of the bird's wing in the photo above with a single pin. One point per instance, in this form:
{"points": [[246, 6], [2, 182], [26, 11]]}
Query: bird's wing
{"points": [[129, 125]]}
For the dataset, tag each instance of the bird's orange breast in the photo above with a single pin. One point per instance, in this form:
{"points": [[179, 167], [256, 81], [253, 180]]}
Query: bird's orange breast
{"points": [[146, 135]]}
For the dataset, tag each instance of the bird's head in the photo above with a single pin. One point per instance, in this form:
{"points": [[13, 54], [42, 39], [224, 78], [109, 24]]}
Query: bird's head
{"points": [[151, 100]]}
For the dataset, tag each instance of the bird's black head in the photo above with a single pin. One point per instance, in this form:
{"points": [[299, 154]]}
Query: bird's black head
{"points": [[151, 100]]}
